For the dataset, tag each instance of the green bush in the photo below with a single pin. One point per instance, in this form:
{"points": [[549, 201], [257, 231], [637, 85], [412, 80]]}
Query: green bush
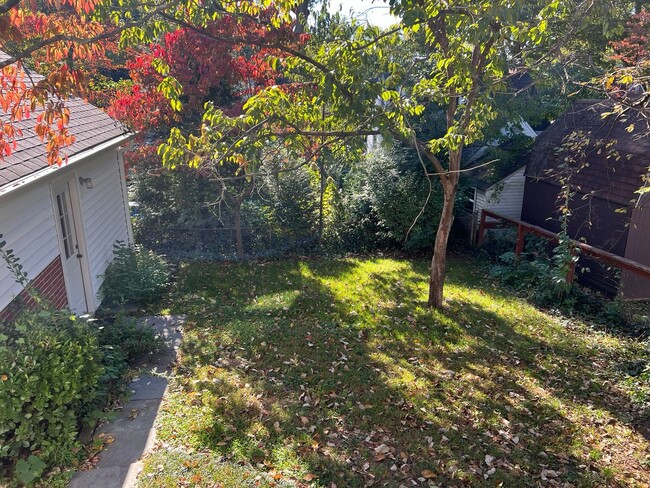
{"points": [[294, 203], [56, 371], [135, 275], [382, 202], [50, 366], [535, 276], [128, 340]]}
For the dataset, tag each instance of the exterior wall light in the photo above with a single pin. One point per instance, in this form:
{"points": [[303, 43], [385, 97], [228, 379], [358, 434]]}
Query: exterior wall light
{"points": [[88, 182]]}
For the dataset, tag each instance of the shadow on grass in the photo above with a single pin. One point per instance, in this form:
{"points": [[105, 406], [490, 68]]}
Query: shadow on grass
{"points": [[334, 372]]}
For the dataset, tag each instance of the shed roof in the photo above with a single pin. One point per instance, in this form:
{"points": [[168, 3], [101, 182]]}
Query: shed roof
{"points": [[604, 175], [485, 177], [498, 162], [89, 125]]}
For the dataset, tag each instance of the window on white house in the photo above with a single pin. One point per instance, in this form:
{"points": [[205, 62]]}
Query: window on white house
{"points": [[64, 223]]}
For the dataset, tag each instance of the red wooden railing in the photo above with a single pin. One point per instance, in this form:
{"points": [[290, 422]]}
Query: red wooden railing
{"points": [[524, 228]]}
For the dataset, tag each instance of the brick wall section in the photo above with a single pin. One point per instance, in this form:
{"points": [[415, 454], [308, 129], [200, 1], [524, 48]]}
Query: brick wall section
{"points": [[50, 284]]}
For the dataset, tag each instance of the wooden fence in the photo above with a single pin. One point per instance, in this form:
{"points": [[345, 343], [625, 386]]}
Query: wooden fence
{"points": [[524, 228]]}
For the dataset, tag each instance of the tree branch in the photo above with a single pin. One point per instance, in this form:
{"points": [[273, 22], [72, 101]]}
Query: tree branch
{"points": [[24, 53], [333, 133]]}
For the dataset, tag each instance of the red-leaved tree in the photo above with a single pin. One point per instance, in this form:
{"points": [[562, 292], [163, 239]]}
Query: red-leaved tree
{"points": [[58, 32], [210, 68], [635, 47]]}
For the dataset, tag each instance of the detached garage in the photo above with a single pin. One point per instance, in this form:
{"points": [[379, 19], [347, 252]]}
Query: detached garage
{"points": [[62, 222]]}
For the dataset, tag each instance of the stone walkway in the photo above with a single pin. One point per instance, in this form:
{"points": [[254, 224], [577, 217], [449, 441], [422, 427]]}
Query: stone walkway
{"points": [[133, 430]]}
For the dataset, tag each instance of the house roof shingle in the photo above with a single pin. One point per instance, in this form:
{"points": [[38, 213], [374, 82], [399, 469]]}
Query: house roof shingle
{"points": [[611, 178], [89, 125]]}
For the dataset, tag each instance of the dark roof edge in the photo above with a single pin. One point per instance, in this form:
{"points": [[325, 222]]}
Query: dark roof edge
{"points": [[484, 186], [28, 180]]}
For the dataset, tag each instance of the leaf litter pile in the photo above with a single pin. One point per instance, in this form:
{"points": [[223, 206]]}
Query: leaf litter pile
{"points": [[333, 373]]}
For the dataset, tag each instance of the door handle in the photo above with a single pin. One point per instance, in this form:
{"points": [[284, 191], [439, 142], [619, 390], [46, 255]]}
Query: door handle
{"points": [[80, 256]]}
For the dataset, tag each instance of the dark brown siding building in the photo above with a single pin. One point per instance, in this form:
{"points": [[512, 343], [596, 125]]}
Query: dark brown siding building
{"points": [[603, 161]]}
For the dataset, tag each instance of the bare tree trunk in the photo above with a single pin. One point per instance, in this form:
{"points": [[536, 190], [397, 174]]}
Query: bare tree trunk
{"points": [[239, 244], [439, 260], [321, 210], [236, 200]]}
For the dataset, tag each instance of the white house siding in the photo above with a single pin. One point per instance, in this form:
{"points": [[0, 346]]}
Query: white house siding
{"points": [[479, 201], [505, 198], [105, 218], [28, 226]]}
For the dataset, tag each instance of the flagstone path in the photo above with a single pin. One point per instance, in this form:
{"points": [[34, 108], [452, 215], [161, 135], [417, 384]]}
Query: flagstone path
{"points": [[132, 432]]}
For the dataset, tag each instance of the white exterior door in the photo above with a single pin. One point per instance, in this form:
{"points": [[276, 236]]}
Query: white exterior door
{"points": [[68, 226]]}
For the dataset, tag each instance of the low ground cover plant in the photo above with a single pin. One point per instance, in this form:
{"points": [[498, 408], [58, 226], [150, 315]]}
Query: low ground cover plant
{"points": [[123, 342], [537, 274]]}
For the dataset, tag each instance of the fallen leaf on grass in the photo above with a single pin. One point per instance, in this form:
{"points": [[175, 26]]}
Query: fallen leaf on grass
{"points": [[382, 449], [427, 473], [548, 473]]}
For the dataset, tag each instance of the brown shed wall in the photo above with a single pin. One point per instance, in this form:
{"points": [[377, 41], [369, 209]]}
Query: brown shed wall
{"points": [[608, 230], [638, 249]]}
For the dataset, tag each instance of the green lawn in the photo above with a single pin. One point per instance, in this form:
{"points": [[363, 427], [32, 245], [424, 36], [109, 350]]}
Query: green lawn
{"points": [[334, 373]]}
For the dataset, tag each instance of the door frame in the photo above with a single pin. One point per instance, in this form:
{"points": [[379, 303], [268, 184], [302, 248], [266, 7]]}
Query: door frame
{"points": [[69, 181]]}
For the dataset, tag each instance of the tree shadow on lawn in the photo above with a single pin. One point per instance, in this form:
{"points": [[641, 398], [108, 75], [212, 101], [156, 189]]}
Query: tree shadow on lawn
{"points": [[330, 369]]}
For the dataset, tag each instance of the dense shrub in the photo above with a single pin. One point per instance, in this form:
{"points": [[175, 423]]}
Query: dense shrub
{"points": [[50, 367], [382, 199], [135, 275], [56, 372], [293, 202]]}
